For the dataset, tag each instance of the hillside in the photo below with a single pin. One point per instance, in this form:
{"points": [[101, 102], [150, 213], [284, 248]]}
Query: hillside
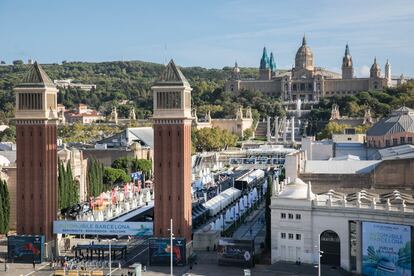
{"points": [[130, 82]]}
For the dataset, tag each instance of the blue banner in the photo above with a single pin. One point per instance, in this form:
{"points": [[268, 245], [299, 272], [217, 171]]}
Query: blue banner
{"points": [[109, 228], [386, 249]]}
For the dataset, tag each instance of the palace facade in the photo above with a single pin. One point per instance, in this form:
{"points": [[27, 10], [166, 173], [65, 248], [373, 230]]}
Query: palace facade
{"points": [[307, 82]]}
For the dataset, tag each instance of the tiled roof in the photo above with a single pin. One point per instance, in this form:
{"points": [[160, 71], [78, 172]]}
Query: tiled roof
{"points": [[401, 120], [172, 75], [36, 76]]}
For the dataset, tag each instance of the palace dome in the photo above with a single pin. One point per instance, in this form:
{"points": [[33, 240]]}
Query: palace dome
{"points": [[304, 56]]}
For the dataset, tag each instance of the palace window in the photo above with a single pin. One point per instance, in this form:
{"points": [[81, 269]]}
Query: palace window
{"points": [[290, 236], [410, 140], [298, 216], [283, 215], [395, 141], [302, 87], [283, 235], [294, 88], [402, 140], [290, 216], [310, 86], [298, 237]]}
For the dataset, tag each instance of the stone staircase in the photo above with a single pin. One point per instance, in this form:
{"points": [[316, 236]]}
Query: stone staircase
{"points": [[261, 130]]}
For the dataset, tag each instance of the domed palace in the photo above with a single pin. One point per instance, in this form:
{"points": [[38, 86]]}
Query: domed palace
{"points": [[307, 82]]}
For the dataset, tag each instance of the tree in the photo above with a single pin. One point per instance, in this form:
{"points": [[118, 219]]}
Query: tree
{"points": [[113, 176], [130, 164], [95, 177], [211, 139], [333, 128], [247, 133], [4, 207]]}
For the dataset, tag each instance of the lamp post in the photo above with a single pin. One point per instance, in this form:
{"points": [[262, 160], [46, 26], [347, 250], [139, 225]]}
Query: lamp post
{"points": [[319, 255], [110, 255], [171, 247]]}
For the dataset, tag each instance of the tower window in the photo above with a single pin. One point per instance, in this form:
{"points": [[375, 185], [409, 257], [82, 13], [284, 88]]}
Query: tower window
{"points": [[169, 100]]}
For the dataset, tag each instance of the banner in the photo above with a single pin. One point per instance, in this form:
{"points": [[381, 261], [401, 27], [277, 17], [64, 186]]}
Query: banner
{"points": [[26, 249], [386, 249], [109, 228], [160, 251]]}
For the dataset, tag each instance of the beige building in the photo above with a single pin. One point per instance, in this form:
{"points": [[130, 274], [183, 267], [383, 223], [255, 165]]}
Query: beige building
{"points": [[82, 114], [243, 121], [79, 166], [307, 82]]}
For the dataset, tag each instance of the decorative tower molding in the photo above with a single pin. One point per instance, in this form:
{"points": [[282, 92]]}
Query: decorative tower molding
{"points": [[347, 66], [335, 115], [114, 116], [249, 114], [132, 115], [239, 113], [367, 117], [36, 138], [172, 153]]}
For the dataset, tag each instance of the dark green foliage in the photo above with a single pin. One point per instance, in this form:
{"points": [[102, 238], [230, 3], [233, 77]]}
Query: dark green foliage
{"points": [[4, 207], [114, 176], [68, 190], [131, 164], [95, 178], [381, 104]]}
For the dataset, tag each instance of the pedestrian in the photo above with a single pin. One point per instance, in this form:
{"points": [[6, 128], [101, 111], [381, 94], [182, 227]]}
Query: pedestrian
{"points": [[34, 265]]}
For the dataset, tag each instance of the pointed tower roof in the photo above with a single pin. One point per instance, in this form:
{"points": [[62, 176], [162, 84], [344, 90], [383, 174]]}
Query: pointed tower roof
{"points": [[347, 53], [36, 77], [264, 61], [304, 40], [272, 63], [172, 75]]}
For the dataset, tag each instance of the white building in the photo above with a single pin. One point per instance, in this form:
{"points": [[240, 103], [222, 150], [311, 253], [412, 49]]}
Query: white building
{"points": [[302, 222], [67, 83]]}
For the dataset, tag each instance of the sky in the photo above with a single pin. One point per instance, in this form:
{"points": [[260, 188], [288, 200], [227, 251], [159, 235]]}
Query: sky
{"points": [[211, 34]]}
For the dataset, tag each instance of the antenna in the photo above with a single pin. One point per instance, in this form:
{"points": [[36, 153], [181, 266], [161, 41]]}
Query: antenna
{"points": [[165, 54]]}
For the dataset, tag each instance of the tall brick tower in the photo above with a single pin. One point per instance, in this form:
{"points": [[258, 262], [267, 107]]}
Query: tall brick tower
{"points": [[172, 153], [36, 118]]}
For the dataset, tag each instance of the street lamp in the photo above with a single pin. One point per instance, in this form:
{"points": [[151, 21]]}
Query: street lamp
{"points": [[110, 255], [319, 256], [171, 246]]}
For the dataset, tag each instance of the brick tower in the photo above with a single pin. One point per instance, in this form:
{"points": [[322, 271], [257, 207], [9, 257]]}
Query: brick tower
{"points": [[172, 153], [35, 118]]}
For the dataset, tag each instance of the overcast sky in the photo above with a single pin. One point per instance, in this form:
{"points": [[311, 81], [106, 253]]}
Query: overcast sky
{"points": [[210, 34]]}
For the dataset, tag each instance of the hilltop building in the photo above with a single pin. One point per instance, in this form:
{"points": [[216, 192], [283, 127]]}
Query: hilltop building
{"points": [[67, 83], [307, 82], [82, 114]]}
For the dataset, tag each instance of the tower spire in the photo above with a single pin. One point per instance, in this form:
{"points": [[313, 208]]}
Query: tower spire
{"points": [[347, 53], [304, 40]]}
